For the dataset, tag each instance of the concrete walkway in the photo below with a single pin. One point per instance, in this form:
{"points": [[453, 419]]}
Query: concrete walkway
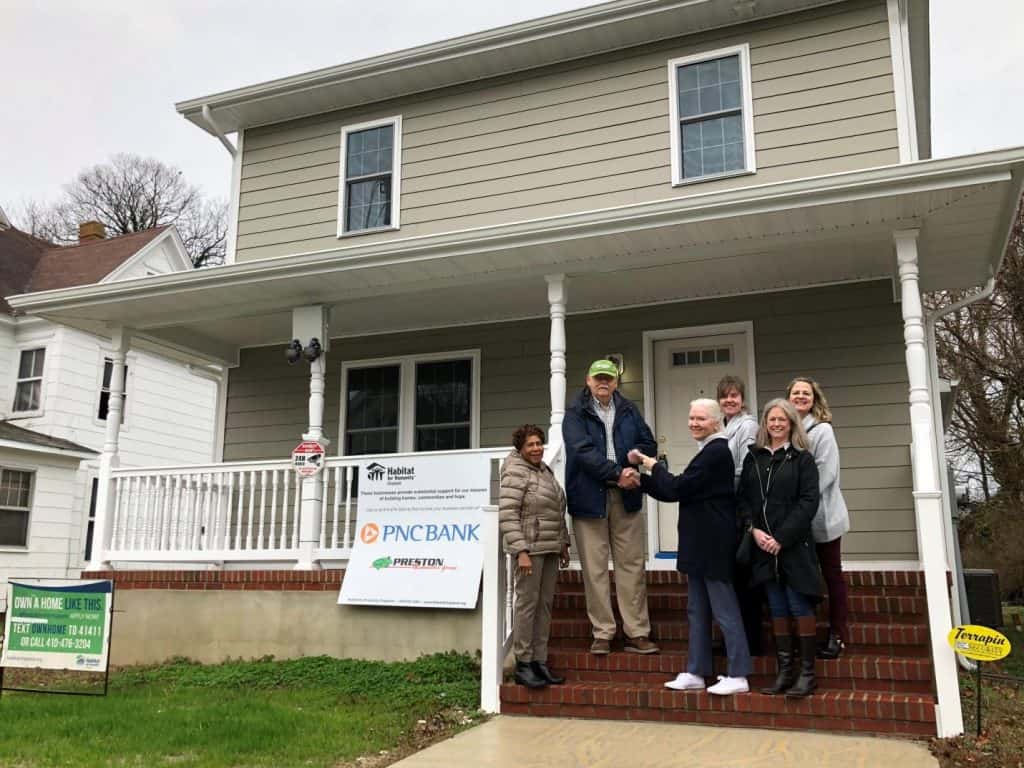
{"points": [[541, 742]]}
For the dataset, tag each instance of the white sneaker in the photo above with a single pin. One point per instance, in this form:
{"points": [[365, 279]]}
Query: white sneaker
{"points": [[686, 682], [727, 686]]}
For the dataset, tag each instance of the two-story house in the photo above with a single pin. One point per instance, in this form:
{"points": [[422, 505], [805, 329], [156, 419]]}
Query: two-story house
{"points": [[694, 188], [55, 398]]}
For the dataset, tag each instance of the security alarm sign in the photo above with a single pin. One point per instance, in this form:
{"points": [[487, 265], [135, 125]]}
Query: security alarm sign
{"points": [[308, 458]]}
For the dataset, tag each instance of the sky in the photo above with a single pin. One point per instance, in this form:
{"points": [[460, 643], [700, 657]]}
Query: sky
{"points": [[84, 79]]}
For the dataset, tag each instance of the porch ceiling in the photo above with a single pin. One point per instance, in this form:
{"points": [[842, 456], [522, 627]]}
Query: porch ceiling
{"points": [[770, 237]]}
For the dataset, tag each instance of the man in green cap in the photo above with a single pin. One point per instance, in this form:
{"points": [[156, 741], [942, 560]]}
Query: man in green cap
{"points": [[603, 491]]}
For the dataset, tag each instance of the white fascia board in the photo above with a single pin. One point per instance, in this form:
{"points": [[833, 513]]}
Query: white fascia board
{"points": [[929, 175], [178, 249], [48, 450]]}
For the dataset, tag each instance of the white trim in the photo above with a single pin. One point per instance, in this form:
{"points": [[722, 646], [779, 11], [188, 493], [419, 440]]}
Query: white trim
{"points": [[231, 242], [903, 82], [406, 393], [852, 566], [171, 233], [17, 445], [747, 111], [745, 327], [847, 186], [396, 175]]}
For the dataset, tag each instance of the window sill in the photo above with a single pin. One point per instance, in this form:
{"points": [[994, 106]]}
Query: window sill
{"points": [[374, 231], [24, 415], [13, 550], [715, 177]]}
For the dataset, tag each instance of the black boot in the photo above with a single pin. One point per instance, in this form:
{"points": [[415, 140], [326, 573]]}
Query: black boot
{"points": [[542, 671], [784, 655], [833, 648], [525, 675], [806, 683]]}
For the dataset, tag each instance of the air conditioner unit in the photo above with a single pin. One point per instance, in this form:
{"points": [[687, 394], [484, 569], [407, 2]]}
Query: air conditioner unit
{"points": [[983, 598]]}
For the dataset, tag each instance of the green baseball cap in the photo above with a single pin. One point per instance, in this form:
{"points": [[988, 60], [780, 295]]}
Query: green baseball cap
{"points": [[604, 368]]}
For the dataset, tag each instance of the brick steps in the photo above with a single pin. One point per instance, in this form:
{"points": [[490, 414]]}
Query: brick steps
{"points": [[882, 683], [860, 711], [850, 672]]}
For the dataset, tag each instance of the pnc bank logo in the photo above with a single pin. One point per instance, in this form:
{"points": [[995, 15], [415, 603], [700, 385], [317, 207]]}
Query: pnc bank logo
{"points": [[375, 471], [369, 533]]}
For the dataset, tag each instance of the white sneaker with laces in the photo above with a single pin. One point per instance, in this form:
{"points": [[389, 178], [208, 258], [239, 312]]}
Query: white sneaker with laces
{"points": [[686, 681], [727, 686]]}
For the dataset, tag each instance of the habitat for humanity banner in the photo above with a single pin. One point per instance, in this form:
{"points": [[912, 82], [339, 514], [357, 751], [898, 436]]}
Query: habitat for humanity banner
{"points": [[418, 532], [57, 625]]}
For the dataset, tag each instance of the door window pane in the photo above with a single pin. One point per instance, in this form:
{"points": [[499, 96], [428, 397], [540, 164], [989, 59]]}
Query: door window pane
{"points": [[371, 415]]}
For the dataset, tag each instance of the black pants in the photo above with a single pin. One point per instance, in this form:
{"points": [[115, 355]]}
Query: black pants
{"points": [[751, 600]]}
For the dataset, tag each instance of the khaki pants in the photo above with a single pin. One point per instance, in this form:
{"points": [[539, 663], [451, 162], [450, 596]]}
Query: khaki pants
{"points": [[534, 596], [621, 535]]}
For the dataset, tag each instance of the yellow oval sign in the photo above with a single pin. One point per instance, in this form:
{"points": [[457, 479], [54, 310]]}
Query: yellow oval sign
{"points": [[979, 643]]}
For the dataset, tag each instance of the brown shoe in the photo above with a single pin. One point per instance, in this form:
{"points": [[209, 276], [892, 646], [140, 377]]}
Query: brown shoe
{"points": [[601, 647], [640, 645]]}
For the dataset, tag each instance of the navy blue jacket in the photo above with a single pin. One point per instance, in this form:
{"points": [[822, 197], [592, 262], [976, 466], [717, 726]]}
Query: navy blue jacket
{"points": [[588, 472], [707, 510]]}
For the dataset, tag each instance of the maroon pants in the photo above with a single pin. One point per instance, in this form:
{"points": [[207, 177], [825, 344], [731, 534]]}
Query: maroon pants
{"points": [[830, 559]]}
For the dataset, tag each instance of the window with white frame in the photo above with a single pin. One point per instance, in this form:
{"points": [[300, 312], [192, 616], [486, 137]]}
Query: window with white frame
{"points": [[103, 408], [370, 183], [28, 390], [712, 115], [424, 403], [15, 506]]}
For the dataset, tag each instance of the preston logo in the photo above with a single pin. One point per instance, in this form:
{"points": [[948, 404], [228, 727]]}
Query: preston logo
{"points": [[369, 533], [374, 471]]}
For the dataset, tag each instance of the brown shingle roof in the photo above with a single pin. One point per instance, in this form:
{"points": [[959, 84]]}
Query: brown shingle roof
{"points": [[19, 255], [87, 263]]}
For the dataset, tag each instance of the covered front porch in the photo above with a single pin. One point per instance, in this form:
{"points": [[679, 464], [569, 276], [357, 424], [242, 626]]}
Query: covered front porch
{"points": [[820, 276]]}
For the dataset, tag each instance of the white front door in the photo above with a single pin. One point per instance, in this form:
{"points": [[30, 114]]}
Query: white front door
{"points": [[684, 370]]}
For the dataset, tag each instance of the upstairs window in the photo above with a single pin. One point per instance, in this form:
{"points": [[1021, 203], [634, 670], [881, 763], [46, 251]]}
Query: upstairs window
{"points": [[28, 390], [104, 405], [712, 115], [370, 176], [15, 506]]}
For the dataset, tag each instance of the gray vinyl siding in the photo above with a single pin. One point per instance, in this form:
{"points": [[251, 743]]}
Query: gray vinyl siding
{"points": [[581, 136], [848, 337]]}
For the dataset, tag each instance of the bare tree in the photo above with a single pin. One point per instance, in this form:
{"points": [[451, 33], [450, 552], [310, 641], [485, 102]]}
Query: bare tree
{"points": [[131, 194]]}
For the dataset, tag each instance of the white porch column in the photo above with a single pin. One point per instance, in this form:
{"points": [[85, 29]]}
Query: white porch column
{"points": [[928, 506], [103, 527], [310, 323], [556, 307]]}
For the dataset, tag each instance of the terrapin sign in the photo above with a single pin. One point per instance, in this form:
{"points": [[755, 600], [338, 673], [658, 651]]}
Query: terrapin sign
{"points": [[417, 542], [979, 643], [58, 625]]}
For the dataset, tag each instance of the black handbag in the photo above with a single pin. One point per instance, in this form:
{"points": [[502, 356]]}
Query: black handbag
{"points": [[745, 550]]}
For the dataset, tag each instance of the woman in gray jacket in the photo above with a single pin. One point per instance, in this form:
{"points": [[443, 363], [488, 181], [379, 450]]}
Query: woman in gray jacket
{"points": [[533, 530], [833, 518]]}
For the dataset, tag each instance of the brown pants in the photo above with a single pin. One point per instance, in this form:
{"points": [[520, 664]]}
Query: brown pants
{"points": [[621, 535], [535, 593]]}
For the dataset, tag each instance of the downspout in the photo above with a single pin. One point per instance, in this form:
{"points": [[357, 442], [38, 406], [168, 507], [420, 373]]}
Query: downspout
{"points": [[212, 125], [959, 602]]}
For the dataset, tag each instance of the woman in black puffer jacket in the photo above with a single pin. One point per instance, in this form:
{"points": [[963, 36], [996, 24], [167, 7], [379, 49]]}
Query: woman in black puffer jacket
{"points": [[532, 523], [777, 500]]}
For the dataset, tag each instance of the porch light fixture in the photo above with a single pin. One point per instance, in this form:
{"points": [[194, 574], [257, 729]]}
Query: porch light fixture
{"points": [[293, 352], [313, 350]]}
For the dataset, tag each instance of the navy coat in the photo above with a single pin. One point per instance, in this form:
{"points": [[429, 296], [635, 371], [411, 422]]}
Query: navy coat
{"points": [[588, 472], [707, 510], [792, 502]]}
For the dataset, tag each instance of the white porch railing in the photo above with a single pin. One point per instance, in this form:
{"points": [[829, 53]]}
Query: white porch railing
{"points": [[236, 511]]}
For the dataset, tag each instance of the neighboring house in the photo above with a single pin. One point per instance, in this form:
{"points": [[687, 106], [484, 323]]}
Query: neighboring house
{"points": [[55, 387], [695, 188]]}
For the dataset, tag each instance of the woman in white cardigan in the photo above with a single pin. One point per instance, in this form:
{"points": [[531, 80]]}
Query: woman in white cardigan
{"points": [[833, 518]]}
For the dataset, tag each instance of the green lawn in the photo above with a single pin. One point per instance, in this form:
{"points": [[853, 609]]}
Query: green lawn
{"points": [[307, 712]]}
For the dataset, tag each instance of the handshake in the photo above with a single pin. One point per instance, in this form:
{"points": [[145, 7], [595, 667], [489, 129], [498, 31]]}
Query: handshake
{"points": [[630, 477]]}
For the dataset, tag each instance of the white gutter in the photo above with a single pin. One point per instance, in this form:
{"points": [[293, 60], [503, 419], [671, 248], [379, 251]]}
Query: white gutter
{"points": [[215, 129]]}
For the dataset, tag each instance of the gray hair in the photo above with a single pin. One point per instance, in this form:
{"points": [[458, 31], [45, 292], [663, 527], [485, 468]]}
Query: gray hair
{"points": [[713, 409]]}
